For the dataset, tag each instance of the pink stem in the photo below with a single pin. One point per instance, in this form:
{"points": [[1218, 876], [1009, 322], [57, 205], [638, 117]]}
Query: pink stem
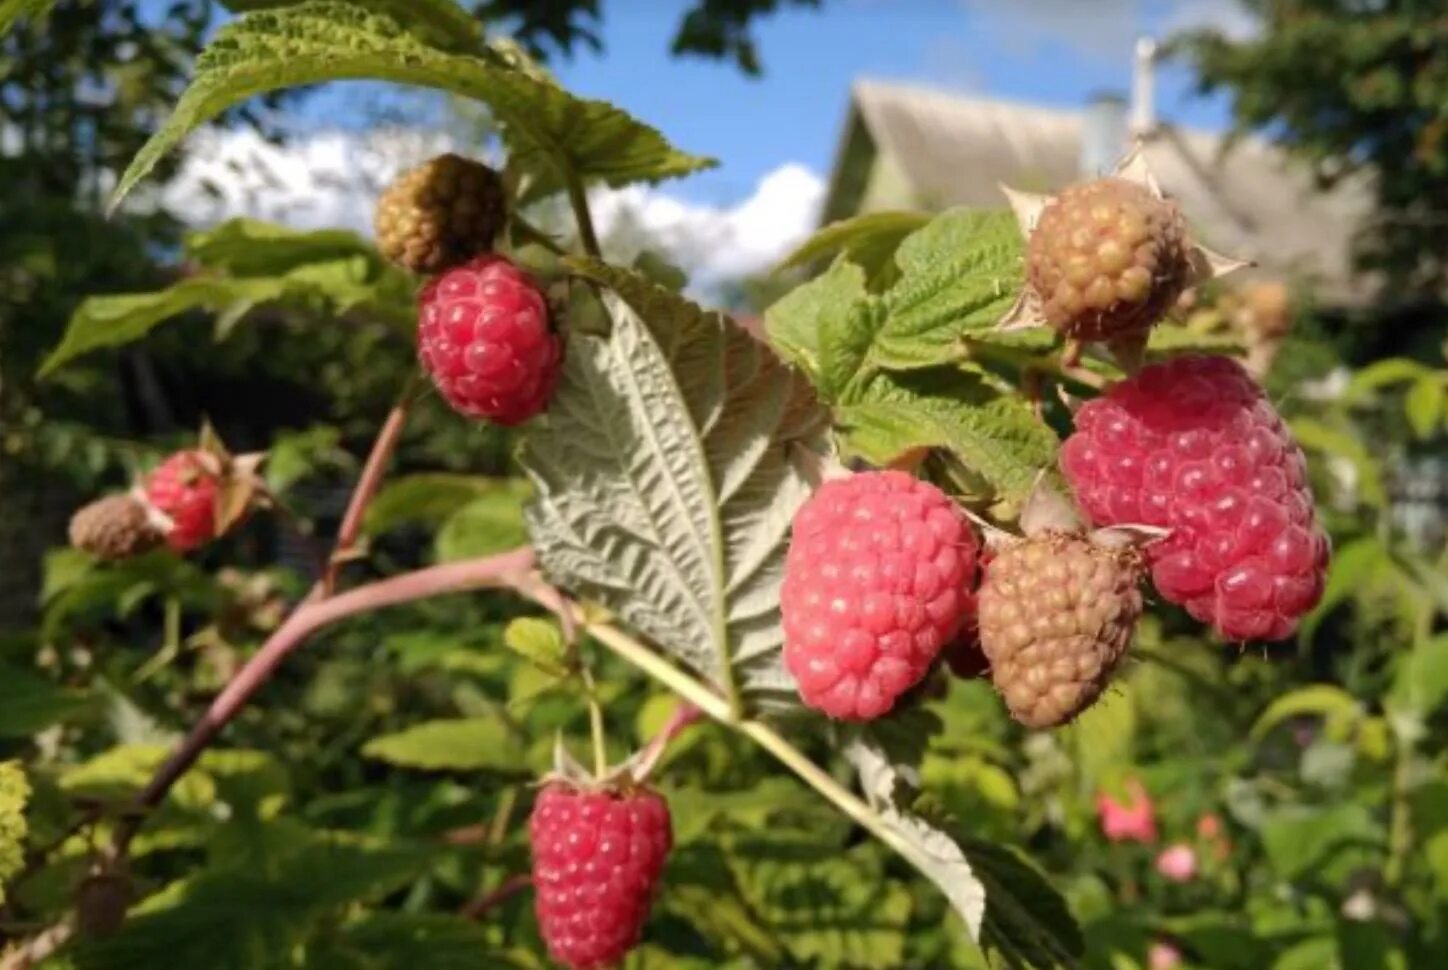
{"points": [[312, 615], [684, 715], [509, 887]]}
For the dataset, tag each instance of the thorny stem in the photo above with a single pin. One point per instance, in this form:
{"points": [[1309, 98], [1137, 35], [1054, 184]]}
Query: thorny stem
{"points": [[578, 198], [371, 479]]}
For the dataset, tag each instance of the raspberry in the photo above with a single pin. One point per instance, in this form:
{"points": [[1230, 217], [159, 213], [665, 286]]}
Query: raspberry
{"points": [[183, 488], [1057, 612], [597, 859], [876, 581], [1108, 259], [483, 335], [439, 214], [1194, 446], [115, 527]]}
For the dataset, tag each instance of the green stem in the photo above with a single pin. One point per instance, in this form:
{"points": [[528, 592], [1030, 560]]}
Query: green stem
{"points": [[595, 724], [578, 198]]}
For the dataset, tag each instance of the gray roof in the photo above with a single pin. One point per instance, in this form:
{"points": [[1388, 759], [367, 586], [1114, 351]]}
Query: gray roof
{"points": [[1243, 196]]}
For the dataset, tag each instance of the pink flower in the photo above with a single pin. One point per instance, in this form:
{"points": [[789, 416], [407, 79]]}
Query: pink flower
{"points": [[1163, 956], [1177, 863], [1128, 821]]}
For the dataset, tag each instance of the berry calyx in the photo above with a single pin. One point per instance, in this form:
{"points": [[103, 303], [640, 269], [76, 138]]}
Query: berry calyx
{"points": [[876, 581], [440, 214], [1194, 446], [184, 488], [598, 855], [115, 527], [483, 336], [1057, 613], [1107, 259]]}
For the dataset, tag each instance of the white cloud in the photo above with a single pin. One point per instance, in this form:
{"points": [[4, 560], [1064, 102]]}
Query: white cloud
{"points": [[715, 243], [332, 178]]}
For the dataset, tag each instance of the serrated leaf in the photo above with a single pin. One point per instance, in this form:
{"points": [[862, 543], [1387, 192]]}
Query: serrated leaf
{"points": [[667, 477], [30, 703], [547, 129], [833, 910], [442, 23], [800, 321], [1026, 923], [540, 642], [868, 241], [260, 910], [14, 795], [1168, 340], [428, 498], [994, 435], [958, 274], [463, 744], [489, 524], [935, 853]]}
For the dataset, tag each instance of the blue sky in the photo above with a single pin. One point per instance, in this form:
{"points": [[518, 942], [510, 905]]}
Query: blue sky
{"points": [[1055, 52]]}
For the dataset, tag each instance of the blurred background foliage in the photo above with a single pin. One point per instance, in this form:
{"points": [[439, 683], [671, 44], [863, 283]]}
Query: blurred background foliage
{"points": [[361, 813]]}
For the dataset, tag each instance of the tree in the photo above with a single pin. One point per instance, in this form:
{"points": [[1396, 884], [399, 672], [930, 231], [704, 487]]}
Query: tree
{"points": [[1359, 88]]}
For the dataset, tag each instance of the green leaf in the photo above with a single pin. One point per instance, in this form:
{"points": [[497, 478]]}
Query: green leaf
{"points": [[486, 525], [1383, 373], [335, 287], [1322, 700], [1026, 924], [548, 130], [464, 744], [959, 273], [391, 941], [14, 10], [14, 794], [996, 436], [540, 642], [250, 247], [1354, 568], [1314, 435], [1424, 404], [1421, 683], [426, 499], [1325, 844], [30, 703], [667, 476], [931, 850], [809, 315], [831, 910], [868, 241], [1167, 340], [244, 917], [442, 23]]}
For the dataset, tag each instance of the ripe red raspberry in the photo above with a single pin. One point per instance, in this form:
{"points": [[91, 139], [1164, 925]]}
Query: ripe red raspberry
{"points": [[597, 859], [483, 336], [1107, 258], [1194, 446], [184, 488], [877, 580]]}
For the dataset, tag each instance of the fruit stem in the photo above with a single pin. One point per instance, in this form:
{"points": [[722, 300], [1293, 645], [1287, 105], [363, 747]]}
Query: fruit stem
{"points": [[595, 723], [578, 198]]}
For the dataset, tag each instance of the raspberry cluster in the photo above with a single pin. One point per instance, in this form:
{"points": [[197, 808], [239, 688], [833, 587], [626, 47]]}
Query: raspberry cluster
{"points": [[876, 581], [1194, 446], [597, 859]]}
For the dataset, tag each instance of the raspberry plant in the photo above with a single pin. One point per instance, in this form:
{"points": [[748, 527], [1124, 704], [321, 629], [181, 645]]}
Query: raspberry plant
{"points": [[676, 464]]}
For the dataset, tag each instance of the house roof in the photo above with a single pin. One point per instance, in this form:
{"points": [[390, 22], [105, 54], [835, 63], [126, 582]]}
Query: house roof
{"points": [[1242, 196]]}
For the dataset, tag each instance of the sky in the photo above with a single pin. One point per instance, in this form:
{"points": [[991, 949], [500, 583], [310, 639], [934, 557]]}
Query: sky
{"points": [[775, 136]]}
